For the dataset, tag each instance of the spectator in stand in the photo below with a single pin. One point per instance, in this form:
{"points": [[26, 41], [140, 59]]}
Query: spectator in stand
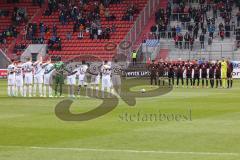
{"points": [[227, 30], [187, 40], [211, 30], [48, 34], [107, 14], [195, 31], [191, 42], [24, 33], [62, 18], [221, 33], [178, 29], [176, 41], [202, 39], [99, 33], [180, 40], [54, 29], [113, 29], [154, 31], [238, 18], [42, 29], [69, 36]]}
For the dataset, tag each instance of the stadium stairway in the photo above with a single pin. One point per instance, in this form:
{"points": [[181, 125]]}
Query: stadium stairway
{"points": [[163, 53]]}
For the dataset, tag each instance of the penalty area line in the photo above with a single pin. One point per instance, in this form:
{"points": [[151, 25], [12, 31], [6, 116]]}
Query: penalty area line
{"points": [[124, 150]]}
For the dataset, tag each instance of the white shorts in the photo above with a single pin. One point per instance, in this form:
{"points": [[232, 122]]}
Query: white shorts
{"points": [[47, 79], [11, 80], [28, 79], [82, 81], [38, 79], [71, 80], [106, 82], [116, 80], [19, 81], [95, 79]]}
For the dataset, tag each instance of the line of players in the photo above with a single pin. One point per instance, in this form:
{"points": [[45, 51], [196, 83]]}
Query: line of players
{"points": [[25, 78], [218, 74]]}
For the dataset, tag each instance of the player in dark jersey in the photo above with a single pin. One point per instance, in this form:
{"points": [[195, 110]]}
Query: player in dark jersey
{"points": [[165, 76], [218, 75], [211, 75], [153, 73], [204, 74], [179, 74], [189, 74], [196, 75], [160, 68], [229, 74], [170, 75]]}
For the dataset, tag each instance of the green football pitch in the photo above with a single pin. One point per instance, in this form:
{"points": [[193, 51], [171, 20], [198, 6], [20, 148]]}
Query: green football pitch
{"points": [[208, 128]]}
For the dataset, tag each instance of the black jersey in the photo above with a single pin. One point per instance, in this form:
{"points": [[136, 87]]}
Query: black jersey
{"points": [[196, 72], [152, 69], [218, 72], [160, 70], [170, 71], [189, 72], [204, 71], [211, 72], [179, 71], [229, 70]]}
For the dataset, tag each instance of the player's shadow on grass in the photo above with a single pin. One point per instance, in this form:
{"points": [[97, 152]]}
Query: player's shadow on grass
{"points": [[110, 102]]}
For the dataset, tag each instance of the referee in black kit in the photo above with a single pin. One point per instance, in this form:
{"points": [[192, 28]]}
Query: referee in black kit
{"points": [[153, 72]]}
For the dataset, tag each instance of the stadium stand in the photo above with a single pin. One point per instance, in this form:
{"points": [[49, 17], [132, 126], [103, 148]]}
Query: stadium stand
{"points": [[13, 18], [70, 34], [198, 29]]}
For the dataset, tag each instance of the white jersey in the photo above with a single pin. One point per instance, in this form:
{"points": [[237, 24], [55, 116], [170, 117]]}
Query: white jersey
{"points": [[11, 70], [19, 76], [82, 79], [106, 70], [116, 69], [11, 75], [19, 72], [27, 68], [82, 70], [38, 70], [106, 76], [47, 70]]}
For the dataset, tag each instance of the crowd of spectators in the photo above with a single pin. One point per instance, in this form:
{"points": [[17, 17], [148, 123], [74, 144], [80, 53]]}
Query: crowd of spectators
{"points": [[19, 16], [86, 17], [196, 21], [9, 32], [4, 13], [130, 12]]}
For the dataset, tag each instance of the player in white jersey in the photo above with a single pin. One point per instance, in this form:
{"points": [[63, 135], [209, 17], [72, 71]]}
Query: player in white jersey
{"points": [[19, 79], [38, 77], [11, 79], [106, 78], [28, 79], [116, 76], [48, 78], [71, 79], [82, 79], [95, 70]]}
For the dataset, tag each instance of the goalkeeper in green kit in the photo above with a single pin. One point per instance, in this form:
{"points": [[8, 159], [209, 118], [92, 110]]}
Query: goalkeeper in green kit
{"points": [[224, 73], [59, 68]]}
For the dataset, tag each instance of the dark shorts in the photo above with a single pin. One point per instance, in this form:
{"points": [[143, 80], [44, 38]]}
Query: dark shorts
{"points": [[229, 75], [204, 75]]}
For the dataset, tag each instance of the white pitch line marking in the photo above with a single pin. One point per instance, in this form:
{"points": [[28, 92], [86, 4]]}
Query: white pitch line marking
{"points": [[126, 150]]}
